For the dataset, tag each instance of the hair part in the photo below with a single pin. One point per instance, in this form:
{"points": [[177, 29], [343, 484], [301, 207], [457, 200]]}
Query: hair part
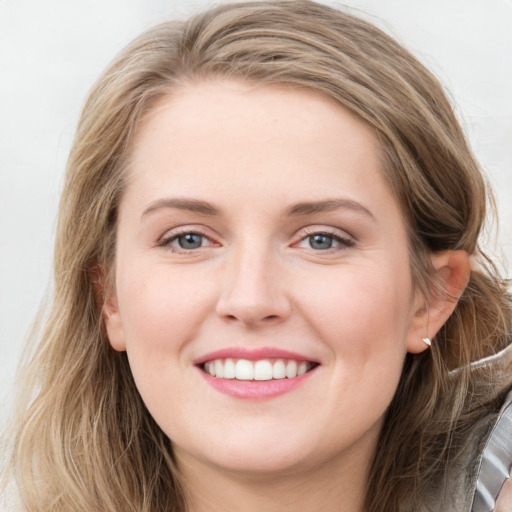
{"points": [[84, 440]]}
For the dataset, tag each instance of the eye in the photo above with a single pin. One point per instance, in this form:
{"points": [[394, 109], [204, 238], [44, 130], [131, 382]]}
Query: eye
{"points": [[190, 241], [324, 241], [321, 241], [185, 241]]}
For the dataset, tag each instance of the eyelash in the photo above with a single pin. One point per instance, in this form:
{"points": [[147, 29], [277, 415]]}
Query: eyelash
{"points": [[165, 242], [308, 233], [344, 242]]}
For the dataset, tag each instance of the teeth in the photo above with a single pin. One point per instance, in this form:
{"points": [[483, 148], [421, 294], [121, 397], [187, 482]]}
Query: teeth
{"points": [[219, 368], [302, 368], [244, 370], [279, 369], [263, 369], [209, 367], [291, 369], [229, 369]]}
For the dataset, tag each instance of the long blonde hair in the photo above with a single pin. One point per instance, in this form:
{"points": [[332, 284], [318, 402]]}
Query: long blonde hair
{"points": [[83, 439]]}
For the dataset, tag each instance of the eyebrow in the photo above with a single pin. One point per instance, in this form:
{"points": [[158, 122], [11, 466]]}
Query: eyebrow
{"points": [[191, 205], [296, 210], [309, 208]]}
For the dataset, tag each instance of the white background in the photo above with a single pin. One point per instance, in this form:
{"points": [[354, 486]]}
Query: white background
{"points": [[52, 51]]}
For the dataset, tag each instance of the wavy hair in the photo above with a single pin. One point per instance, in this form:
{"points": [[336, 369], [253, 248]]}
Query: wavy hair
{"points": [[82, 439]]}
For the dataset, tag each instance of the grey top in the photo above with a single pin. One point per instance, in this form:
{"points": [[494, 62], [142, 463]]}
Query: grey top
{"points": [[476, 480], [495, 463]]}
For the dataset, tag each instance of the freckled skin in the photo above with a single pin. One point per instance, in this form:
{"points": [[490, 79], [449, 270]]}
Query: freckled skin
{"points": [[257, 279]]}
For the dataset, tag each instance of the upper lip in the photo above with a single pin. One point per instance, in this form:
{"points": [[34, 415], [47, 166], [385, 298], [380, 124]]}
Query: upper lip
{"points": [[253, 354]]}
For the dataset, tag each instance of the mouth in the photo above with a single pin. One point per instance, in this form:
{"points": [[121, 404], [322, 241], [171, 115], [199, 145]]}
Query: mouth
{"points": [[256, 370], [256, 373]]}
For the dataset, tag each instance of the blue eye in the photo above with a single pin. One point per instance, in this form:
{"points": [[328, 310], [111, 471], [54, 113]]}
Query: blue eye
{"points": [[325, 241], [185, 241], [320, 241], [190, 241]]}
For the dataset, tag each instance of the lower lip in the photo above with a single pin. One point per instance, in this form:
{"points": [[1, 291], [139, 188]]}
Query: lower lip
{"points": [[255, 389]]}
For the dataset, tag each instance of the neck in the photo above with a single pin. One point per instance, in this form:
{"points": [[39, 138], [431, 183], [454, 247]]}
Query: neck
{"points": [[335, 486]]}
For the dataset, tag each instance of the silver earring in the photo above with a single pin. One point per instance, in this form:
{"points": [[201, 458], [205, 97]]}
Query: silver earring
{"points": [[427, 341]]}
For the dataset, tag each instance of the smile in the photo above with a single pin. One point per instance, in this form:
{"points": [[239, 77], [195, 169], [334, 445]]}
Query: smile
{"points": [[256, 374], [259, 370]]}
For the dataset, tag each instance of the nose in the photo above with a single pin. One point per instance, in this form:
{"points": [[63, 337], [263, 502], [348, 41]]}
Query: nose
{"points": [[254, 290]]}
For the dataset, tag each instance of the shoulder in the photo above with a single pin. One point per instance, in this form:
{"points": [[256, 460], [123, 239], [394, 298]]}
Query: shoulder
{"points": [[487, 456], [478, 479], [495, 463], [482, 470]]}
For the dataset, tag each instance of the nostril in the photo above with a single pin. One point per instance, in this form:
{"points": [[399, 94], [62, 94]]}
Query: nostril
{"points": [[268, 318], [252, 312]]}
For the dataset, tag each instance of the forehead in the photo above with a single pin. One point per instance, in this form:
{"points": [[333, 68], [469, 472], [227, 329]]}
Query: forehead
{"points": [[230, 135]]}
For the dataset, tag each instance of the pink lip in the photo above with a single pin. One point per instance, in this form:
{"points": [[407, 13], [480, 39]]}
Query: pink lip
{"points": [[254, 389], [252, 354], [250, 389]]}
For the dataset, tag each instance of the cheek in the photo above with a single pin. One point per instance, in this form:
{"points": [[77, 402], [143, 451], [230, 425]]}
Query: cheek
{"points": [[161, 310], [364, 321], [362, 307]]}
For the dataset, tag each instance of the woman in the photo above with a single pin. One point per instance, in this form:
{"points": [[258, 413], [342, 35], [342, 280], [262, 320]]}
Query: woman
{"points": [[269, 293]]}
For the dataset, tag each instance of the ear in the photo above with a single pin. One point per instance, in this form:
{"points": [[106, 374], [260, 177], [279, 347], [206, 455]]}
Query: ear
{"points": [[107, 304], [452, 272]]}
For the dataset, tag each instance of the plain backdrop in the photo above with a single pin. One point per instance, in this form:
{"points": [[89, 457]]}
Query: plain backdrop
{"points": [[51, 52]]}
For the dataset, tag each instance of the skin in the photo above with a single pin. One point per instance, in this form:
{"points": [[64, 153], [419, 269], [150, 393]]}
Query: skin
{"points": [[253, 152], [504, 502]]}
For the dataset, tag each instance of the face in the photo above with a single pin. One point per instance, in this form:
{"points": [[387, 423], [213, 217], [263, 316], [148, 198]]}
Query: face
{"points": [[262, 283]]}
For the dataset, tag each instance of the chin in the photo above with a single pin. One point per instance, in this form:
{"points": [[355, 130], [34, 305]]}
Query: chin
{"points": [[253, 455], [262, 464]]}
